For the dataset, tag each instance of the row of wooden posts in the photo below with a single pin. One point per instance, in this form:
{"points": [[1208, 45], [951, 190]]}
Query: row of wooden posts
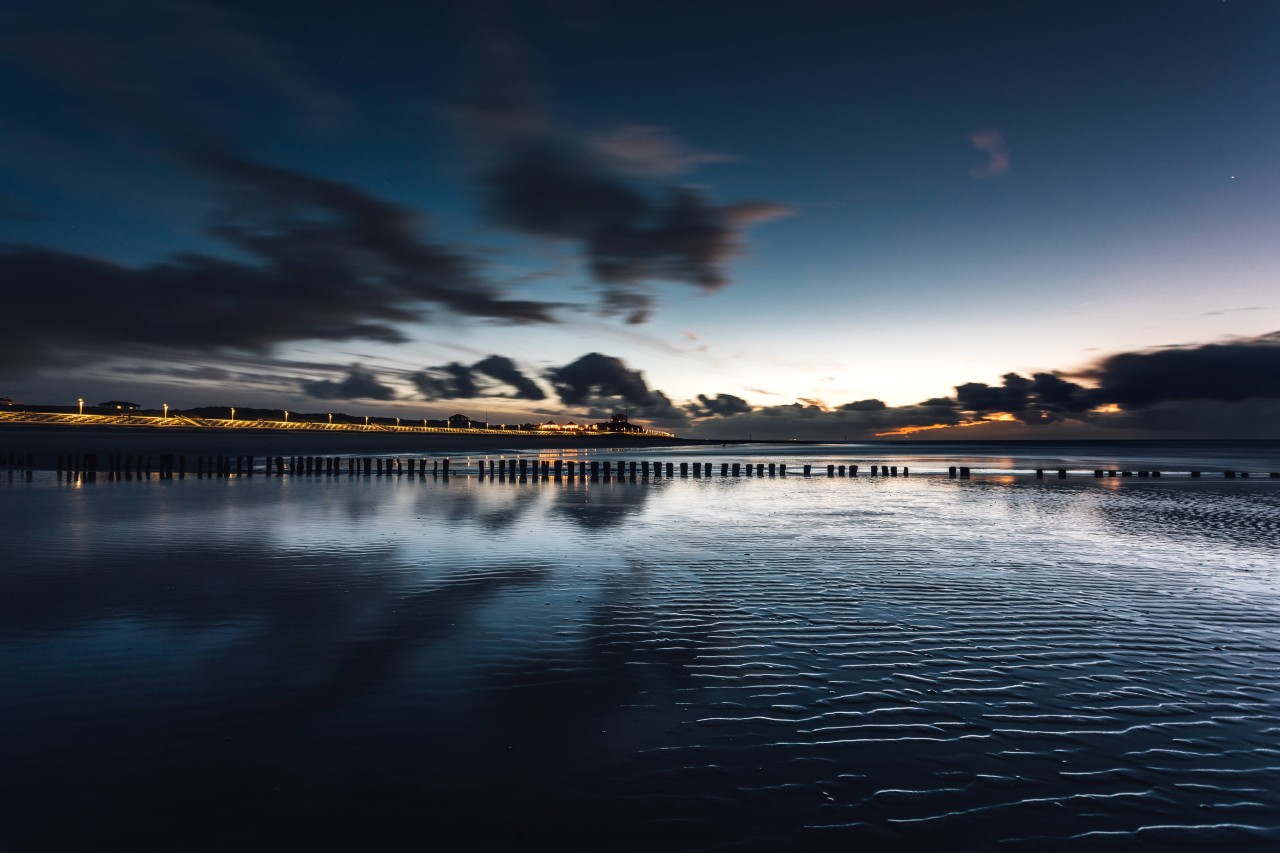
{"points": [[167, 466]]}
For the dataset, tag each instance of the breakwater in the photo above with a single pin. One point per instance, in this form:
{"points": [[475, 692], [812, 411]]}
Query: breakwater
{"points": [[521, 468]]}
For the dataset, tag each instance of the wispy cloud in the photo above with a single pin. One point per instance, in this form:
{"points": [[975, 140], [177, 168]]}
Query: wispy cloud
{"points": [[992, 143], [1233, 311], [652, 151], [610, 197]]}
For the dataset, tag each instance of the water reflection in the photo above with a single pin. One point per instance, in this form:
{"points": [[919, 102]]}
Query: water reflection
{"points": [[778, 663]]}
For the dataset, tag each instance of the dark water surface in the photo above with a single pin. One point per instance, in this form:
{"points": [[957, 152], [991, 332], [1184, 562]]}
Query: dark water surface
{"points": [[1002, 663]]}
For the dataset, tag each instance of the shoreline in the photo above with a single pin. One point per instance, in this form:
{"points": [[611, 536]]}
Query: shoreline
{"points": [[47, 441]]}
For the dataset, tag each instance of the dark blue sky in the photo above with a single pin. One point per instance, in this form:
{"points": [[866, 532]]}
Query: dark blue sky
{"points": [[786, 208]]}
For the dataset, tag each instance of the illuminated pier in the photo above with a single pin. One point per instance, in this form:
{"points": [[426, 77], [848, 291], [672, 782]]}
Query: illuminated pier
{"points": [[179, 421]]}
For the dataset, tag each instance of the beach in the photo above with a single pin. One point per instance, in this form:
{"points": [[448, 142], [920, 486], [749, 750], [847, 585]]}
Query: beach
{"points": [[757, 663]]}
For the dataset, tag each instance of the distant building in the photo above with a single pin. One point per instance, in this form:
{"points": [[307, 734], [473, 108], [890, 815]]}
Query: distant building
{"points": [[459, 421], [120, 406], [617, 423]]}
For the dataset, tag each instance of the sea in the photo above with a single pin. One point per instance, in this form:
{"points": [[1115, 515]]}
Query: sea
{"points": [[395, 662]]}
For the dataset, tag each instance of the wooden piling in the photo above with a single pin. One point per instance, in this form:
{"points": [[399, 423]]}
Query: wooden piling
{"points": [[807, 470], [737, 469], [964, 473]]}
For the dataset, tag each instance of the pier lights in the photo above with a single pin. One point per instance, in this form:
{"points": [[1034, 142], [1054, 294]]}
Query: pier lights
{"points": [[233, 413], [166, 410], [80, 400], [286, 415], [397, 422], [366, 420], [331, 417]]}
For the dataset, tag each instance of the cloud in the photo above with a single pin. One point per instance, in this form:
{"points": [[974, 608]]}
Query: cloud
{"points": [[721, 405], [213, 64], [992, 143], [455, 380], [548, 181], [357, 385], [1038, 400], [446, 382], [1233, 310], [603, 384], [1224, 372], [504, 370], [597, 375], [651, 151], [1209, 389], [325, 261]]}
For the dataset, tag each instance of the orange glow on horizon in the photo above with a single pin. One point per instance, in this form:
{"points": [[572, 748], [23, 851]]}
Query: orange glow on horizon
{"points": [[1106, 409], [994, 417]]}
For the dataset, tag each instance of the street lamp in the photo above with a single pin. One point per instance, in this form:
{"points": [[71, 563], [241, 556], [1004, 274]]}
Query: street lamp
{"points": [[233, 413], [397, 422], [166, 410], [80, 400], [331, 417], [286, 415], [366, 420]]}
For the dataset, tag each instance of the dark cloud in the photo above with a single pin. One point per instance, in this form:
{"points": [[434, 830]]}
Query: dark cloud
{"points": [[603, 384], [455, 380], [504, 370], [327, 262], [1207, 390], [720, 405], [862, 419], [1038, 400], [548, 181], [446, 382], [864, 406], [1225, 372], [357, 385], [597, 375]]}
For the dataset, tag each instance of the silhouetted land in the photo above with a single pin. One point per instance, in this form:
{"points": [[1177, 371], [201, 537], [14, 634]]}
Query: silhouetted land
{"points": [[46, 440]]}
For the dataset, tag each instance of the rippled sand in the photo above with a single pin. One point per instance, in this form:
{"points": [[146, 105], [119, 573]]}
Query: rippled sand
{"points": [[688, 664]]}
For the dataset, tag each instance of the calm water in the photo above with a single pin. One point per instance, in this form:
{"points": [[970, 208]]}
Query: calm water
{"points": [[1001, 663]]}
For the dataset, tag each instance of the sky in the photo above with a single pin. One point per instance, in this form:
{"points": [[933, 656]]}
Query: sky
{"points": [[732, 219]]}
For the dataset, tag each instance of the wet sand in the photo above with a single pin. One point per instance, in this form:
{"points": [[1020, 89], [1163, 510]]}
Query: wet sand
{"points": [[793, 664]]}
